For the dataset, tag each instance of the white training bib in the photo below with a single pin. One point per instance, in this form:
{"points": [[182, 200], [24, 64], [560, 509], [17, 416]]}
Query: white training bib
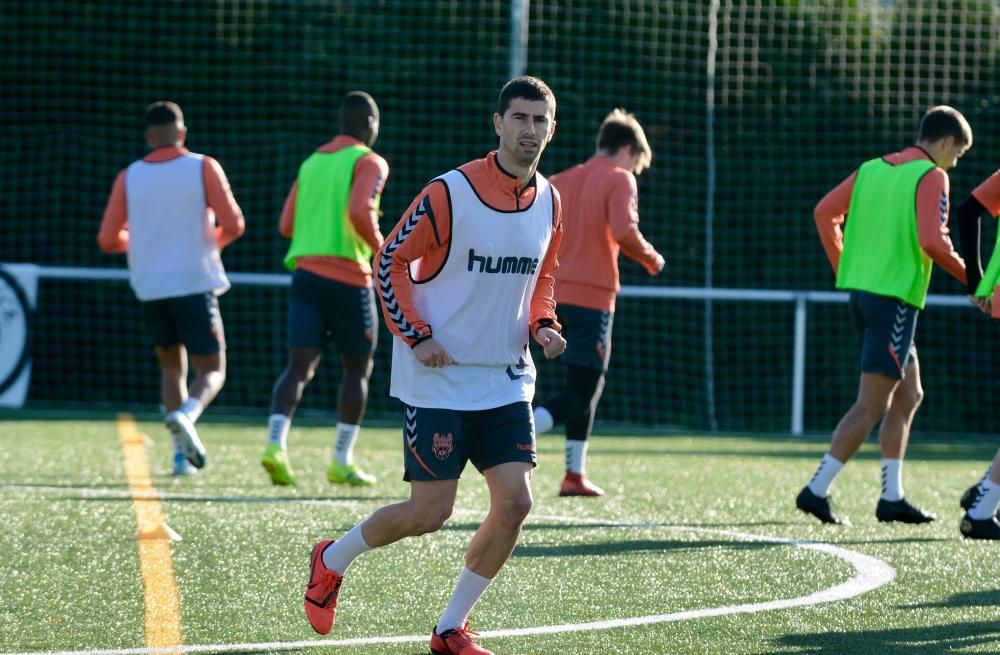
{"points": [[172, 250], [478, 304]]}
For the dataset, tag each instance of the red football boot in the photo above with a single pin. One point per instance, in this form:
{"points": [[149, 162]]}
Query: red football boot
{"points": [[322, 591], [577, 484], [456, 642]]}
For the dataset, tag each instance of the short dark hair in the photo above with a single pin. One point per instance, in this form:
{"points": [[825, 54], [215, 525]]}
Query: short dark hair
{"points": [[527, 87], [355, 109], [164, 112], [944, 121]]}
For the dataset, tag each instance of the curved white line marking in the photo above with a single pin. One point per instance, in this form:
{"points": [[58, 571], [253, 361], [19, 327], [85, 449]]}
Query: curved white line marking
{"points": [[870, 573]]}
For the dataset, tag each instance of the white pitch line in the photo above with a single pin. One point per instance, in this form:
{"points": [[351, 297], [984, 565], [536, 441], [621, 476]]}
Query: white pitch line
{"points": [[870, 574]]}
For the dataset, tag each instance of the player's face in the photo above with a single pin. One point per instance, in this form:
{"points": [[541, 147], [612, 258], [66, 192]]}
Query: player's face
{"points": [[525, 129], [951, 151]]}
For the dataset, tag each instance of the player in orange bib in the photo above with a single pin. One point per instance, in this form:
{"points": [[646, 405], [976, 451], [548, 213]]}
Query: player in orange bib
{"points": [[601, 212], [465, 281], [981, 501]]}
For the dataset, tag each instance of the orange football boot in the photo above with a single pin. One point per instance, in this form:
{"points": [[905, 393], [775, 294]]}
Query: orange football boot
{"points": [[322, 591], [456, 642], [577, 484]]}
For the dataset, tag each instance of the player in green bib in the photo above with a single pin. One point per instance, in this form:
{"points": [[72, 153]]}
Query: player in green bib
{"points": [[882, 229], [981, 501], [331, 216]]}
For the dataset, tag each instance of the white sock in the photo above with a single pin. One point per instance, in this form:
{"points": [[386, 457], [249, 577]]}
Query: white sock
{"points": [[988, 502], [828, 469], [576, 456], [277, 430], [468, 589], [343, 450], [339, 555], [892, 479], [192, 407], [543, 420]]}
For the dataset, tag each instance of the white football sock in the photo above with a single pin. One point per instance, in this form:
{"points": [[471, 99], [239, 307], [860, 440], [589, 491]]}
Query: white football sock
{"points": [[192, 407], [827, 471], [988, 502], [892, 479], [468, 589], [543, 420], [277, 430], [339, 555], [343, 450], [576, 456]]}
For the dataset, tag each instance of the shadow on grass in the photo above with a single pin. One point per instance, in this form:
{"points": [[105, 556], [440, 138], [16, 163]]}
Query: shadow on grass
{"points": [[984, 598], [953, 637]]}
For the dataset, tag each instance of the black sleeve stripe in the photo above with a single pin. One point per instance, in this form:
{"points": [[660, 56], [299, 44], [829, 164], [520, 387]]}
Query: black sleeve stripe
{"points": [[385, 281]]}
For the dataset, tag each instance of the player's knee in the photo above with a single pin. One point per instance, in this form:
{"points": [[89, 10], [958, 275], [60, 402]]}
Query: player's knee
{"points": [[432, 518], [515, 510], [910, 399]]}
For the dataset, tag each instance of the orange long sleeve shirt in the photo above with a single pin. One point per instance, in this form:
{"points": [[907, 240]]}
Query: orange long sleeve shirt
{"points": [[431, 237], [601, 213], [932, 215], [370, 174]]}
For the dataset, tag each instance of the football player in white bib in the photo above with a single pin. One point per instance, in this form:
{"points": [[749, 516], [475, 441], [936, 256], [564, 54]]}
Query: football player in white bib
{"points": [[465, 281]]}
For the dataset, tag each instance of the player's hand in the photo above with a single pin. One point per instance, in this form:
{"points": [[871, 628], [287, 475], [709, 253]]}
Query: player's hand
{"points": [[657, 266], [984, 304], [432, 354], [552, 342]]}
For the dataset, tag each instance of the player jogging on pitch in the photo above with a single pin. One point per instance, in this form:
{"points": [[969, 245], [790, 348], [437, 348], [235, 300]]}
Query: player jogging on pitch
{"points": [[172, 212], [601, 218], [331, 216], [982, 500], [897, 207], [465, 280]]}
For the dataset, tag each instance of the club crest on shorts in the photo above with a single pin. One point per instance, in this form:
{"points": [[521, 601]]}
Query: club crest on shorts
{"points": [[442, 445]]}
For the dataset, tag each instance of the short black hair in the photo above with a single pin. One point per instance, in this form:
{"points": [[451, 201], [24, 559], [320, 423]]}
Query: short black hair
{"points": [[355, 109], [527, 87], [164, 112], [944, 121]]}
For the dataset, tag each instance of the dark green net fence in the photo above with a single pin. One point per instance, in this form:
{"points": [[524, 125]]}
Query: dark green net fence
{"points": [[753, 109]]}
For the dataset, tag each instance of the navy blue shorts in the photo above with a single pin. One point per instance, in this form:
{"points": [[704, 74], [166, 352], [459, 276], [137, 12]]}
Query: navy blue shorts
{"points": [[437, 443], [321, 310], [193, 320], [886, 327], [588, 336]]}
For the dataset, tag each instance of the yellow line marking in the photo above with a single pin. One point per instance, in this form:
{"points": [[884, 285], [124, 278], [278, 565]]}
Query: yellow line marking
{"points": [[162, 601]]}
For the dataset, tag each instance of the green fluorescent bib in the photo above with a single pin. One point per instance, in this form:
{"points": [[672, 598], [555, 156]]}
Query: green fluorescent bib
{"points": [[882, 253], [991, 277], [322, 226]]}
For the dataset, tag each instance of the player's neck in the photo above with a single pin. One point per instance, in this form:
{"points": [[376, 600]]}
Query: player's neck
{"points": [[511, 166]]}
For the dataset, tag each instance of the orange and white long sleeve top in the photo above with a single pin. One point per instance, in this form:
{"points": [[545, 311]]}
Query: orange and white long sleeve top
{"points": [[471, 264], [172, 212], [601, 215], [370, 174], [932, 215]]}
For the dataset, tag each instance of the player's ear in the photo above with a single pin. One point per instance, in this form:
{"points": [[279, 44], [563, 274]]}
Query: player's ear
{"points": [[498, 123], [182, 133]]}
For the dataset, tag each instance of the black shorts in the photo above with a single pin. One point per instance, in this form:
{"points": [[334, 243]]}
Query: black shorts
{"points": [[588, 336], [886, 327], [193, 320], [321, 310], [438, 442]]}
